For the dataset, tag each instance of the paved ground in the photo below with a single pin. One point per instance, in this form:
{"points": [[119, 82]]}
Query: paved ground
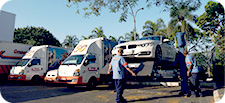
{"points": [[105, 94]]}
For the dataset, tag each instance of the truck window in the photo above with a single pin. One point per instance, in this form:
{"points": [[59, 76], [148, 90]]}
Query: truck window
{"points": [[35, 62], [73, 60], [22, 62], [91, 59]]}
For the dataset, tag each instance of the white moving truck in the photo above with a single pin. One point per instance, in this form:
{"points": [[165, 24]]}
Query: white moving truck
{"points": [[85, 62], [10, 54], [36, 62]]}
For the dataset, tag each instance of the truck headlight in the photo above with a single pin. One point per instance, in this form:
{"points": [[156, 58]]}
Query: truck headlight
{"points": [[12, 70], [21, 72], [76, 73]]}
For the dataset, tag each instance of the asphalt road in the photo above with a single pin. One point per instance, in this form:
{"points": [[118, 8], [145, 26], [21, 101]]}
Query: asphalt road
{"points": [[27, 93]]}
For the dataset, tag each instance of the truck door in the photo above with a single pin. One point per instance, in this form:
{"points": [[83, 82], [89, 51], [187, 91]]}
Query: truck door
{"points": [[92, 66], [35, 68]]}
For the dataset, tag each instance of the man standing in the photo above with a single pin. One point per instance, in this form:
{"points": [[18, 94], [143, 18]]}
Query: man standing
{"points": [[118, 65], [180, 59], [192, 73]]}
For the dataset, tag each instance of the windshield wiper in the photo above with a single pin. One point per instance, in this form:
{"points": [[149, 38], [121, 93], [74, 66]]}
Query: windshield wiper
{"points": [[70, 64]]}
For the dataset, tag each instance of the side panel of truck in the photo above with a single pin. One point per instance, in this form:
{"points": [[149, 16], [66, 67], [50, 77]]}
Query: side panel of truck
{"points": [[10, 54], [55, 56]]}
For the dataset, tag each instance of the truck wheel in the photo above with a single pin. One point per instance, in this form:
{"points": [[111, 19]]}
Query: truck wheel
{"points": [[158, 55], [36, 80], [92, 83]]}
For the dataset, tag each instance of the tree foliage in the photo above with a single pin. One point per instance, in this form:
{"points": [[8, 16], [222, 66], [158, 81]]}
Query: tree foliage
{"points": [[212, 22], [96, 33], [181, 13], [94, 7], [70, 41], [35, 36], [154, 28]]}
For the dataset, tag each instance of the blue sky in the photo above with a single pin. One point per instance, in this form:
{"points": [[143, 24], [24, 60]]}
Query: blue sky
{"points": [[60, 20]]}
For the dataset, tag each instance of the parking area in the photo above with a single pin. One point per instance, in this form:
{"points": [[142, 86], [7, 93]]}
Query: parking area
{"points": [[138, 93]]}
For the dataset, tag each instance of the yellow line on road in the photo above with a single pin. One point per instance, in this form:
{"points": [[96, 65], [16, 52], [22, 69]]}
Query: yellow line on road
{"points": [[173, 100]]}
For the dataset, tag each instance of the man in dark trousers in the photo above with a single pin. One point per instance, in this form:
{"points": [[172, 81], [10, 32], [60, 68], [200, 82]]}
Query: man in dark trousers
{"points": [[192, 73], [180, 59], [118, 65]]}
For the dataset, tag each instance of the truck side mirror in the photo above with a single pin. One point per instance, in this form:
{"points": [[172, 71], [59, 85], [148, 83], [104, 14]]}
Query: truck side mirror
{"points": [[29, 65], [166, 40], [85, 62]]}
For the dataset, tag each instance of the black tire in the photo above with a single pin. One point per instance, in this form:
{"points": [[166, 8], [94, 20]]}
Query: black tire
{"points": [[158, 55], [92, 83], [36, 80]]}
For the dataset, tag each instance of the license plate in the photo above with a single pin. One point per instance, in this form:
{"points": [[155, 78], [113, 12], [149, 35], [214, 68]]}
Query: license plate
{"points": [[49, 79], [62, 78], [11, 76]]}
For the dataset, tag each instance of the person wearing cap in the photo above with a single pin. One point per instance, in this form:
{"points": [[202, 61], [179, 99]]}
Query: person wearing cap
{"points": [[193, 74], [118, 65]]}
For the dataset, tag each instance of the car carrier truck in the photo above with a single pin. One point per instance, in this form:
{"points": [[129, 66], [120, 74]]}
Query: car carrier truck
{"points": [[88, 58], [36, 62]]}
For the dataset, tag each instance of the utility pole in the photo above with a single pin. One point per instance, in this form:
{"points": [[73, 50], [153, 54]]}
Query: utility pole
{"points": [[134, 17]]}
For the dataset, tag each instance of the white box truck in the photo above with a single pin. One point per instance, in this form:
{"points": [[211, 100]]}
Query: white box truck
{"points": [[10, 54], [36, 62], [85, 62]]}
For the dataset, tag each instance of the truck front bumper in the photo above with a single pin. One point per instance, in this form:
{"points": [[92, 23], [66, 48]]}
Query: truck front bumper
{"points": [[17, 77], [70, 80], [50, 79]]}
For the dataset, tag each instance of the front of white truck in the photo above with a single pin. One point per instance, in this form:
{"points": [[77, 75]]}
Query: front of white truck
{"points": [[83, 65], [33, 63]]}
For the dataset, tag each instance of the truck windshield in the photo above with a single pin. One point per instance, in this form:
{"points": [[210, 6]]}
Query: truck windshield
{"points": [[73, 60], [22, 62]]}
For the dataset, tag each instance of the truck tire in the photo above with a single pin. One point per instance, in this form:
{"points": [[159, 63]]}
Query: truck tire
{"points": [[92, 83], [36, 80], [158, 55]]}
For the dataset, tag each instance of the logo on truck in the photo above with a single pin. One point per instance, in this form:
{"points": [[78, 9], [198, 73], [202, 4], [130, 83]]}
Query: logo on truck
{"points": [[7, 57], [80, 48]]}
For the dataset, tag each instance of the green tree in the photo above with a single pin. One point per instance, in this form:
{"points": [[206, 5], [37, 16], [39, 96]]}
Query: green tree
{"points": [[89, 37], [35, 36], [95, 6], [70, 41], [154, 28], [130, 36], [212, 22], [116, 40], [181, 13], [98, 32]]}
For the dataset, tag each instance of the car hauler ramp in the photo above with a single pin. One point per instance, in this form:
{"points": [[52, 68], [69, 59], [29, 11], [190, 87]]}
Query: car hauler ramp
{"points": [[143, 68]]}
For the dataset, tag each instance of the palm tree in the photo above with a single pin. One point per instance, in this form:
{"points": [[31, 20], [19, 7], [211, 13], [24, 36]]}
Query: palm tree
{"points": [[130, 36], [89, 37], [181, 14], [70, 41], [98, 32], [116, 40], [151, 28]]}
